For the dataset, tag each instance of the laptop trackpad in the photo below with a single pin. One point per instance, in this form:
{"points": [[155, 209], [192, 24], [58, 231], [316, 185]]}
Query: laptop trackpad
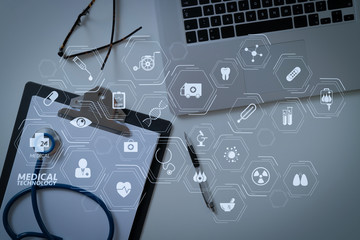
{"points": [[286, 68]]}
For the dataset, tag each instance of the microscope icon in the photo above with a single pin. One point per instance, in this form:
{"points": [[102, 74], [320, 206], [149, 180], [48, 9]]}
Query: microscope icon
{"points": [[201, 139]]}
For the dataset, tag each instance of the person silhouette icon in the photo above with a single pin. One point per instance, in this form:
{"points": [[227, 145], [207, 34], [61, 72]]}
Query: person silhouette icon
{"points": [[82, 171]]}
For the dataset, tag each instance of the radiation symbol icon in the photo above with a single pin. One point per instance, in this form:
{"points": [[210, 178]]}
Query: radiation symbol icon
{"points": [[260, 176]]}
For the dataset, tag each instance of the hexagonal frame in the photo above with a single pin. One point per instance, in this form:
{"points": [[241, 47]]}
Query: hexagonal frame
{"points": [[72, 50], [272, 195], [262, 131], [313, 171], [272, 163], [234, 108], [225, 84], [52, 72], [240, 196], [211, 129], [266, 44], [300, 108], [97, 180], [210, 175], [171, 49], [207, 104], [139, 154], [279, 63], [113, 207], [339, 86], [217, 145], [165, 63]]}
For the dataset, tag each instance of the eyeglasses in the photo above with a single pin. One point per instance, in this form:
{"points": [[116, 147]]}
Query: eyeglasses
{"points": [[61, 52]]}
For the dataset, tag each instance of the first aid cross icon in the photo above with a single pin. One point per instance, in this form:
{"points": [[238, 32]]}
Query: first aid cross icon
{"points": [[39, 142]]}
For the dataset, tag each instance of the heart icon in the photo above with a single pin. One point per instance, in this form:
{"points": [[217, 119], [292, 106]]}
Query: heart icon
{"points": [[123, 188]]}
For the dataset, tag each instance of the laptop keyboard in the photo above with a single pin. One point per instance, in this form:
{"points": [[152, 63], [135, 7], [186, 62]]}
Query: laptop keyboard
{"points": [[206, 20]]}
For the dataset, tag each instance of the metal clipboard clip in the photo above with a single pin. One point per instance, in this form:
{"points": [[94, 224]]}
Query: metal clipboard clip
{"points": [[93, 105]]}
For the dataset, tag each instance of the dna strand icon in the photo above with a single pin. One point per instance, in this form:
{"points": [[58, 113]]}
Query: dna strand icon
{"points": [[155, 113]]}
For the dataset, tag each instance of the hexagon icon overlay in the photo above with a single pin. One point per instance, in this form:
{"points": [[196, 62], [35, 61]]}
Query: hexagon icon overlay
{"points": [[288, 116], [292, 72], [204, 174], [301, 179], [191, 91], [203, 137], [254, 52], [229, 204], [231, 153], [146, 60], [327, 98], [82, 71], [224, 73], [246, 118]]}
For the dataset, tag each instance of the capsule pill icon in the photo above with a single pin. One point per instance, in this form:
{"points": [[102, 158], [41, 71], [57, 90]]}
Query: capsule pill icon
{"points": [[50, 99], [293, 74]]}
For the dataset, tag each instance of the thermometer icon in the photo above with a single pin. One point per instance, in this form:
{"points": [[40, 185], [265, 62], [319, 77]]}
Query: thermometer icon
{"points": [[247, 112]]}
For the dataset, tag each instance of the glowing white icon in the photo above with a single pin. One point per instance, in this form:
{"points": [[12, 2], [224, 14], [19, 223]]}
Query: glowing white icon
{"points": [[228, 206], [39, 142], [326, 97], [287, 116], [131, 146], [201, 139], [253, 53], [146, 63], [300, 181], [260, 176], [82, 66], [80, 122], [82, 171], [50, 99], [247, 112], [191, 90], [225, 73], [123, 189], [155, 113], [199, 177], [231, 154], [118, 100], [293, 74]]}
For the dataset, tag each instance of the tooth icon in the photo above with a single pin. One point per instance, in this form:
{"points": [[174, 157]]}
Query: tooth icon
{"points": [[225, 73]]}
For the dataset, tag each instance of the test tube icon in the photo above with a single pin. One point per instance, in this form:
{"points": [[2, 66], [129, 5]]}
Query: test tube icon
{"points": [[287, 116]]}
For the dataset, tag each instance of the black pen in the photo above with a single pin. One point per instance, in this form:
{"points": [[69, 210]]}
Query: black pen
{"points": [[203, 186]]}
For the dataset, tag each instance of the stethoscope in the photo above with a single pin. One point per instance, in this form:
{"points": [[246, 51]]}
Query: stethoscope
{"points": [[50, 148]]}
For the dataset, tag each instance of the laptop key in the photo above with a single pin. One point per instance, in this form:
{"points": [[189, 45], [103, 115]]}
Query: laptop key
{"points": [[313, 19], [250, 16], [301, 1], [336, 16], [338, 4], [309, 7], [290, 1], [204, 1], [191, 37], [320, 6], [285, 11], [279, 2], [204, 22], [227, 19], [214, 33], [239, 17], [190, 24], [215, 21], [188, 3], [203, 35], [274, 12], [325, 20], [255, 4], [231, 7], [349, 17], [267, 3], [215, 1], [300, 21], [264, 26], [243, 5], [192, 12], [208, 10], [220, 8], [297, 9], [227, 32], [262, 14]]}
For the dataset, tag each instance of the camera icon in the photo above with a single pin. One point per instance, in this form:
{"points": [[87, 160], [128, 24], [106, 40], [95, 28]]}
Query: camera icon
{"points": [[131, 146]]}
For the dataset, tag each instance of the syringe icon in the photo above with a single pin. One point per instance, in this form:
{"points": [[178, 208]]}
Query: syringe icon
{"points": [[82, 66]]}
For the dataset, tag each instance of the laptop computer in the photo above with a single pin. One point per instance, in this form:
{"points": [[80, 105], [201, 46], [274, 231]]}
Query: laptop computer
{"points": [[222, 49]]}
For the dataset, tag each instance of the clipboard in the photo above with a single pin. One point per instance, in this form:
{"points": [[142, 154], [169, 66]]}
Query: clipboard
{"points": [[123, 118]]}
